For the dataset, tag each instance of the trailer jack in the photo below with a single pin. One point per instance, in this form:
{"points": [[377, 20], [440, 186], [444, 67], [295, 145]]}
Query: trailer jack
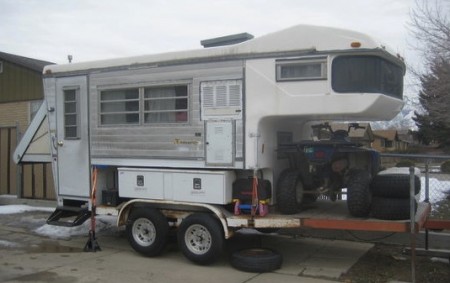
{"points": [[92, 244]]}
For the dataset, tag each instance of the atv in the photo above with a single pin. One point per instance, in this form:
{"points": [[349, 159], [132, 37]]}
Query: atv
{"points": [[324, 167]]}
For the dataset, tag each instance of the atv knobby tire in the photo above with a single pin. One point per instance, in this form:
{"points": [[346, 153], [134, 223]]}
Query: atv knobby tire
{"points": [[394, 185], [359, 197], [256, 260], [392, 208], [289, 192]]}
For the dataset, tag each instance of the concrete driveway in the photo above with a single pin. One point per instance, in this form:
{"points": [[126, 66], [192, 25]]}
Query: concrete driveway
{"points": [[26, 256]]}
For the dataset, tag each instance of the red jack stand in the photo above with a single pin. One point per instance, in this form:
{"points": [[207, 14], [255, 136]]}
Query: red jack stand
{"points": [[92, 244]]}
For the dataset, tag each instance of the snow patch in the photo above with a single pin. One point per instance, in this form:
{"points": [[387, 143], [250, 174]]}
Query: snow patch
{"points": [[103, 222], [439, 259], [399, 170], [20, 208], [8, 244]]}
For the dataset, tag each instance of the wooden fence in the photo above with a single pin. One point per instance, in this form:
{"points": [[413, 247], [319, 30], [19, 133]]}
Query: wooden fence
{"points": [[32, 180]]}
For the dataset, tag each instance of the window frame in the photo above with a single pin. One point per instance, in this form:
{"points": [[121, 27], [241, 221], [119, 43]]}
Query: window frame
{"points": [[142, 100], [76, 113], [175, 98], [322, 61], [100, 113]]}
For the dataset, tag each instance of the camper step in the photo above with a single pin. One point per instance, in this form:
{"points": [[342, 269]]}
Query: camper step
{"points": [[69, 216]]}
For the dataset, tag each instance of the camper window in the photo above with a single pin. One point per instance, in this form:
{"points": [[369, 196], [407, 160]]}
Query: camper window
{"points": [[119, 107], [71, 114], [168, 104], [302, 69], [137, 106], [367, 74]]}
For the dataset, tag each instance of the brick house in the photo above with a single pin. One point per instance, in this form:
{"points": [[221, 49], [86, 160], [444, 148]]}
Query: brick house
{"points": [[388, 141]]}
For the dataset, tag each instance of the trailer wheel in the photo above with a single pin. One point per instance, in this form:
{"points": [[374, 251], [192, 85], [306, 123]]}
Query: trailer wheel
{"points": [[147, 231], [256, 260], [289, 192], [201, 239], [359, 196], [392, 208], [394, 185]]}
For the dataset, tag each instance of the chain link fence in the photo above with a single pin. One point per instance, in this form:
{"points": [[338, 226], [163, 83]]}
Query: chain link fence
{"points": [[435, 182]]}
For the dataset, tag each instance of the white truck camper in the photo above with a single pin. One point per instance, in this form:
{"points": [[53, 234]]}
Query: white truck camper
{"points": [[217, 139]]}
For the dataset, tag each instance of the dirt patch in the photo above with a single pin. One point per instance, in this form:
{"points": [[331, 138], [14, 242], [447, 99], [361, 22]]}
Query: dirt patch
{"points": [[384, 263]]}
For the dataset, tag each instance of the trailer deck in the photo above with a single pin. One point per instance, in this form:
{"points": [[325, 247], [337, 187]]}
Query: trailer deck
{"points": [[331, 215], [322, 214]]}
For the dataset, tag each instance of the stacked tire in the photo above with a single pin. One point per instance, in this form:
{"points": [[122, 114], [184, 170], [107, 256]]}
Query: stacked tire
{"points": [[391, 196]]}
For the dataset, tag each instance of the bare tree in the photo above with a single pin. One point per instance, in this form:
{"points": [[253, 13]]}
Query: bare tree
{"points": [[431, 27]]}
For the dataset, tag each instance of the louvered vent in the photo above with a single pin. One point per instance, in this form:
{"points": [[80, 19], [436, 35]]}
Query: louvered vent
{"points": [[221, 99]]}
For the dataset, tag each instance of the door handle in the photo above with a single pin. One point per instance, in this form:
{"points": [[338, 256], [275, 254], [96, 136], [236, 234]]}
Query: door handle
{"points": [[60, 143]]}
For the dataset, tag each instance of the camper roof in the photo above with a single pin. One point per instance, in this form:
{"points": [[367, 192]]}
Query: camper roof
{"points": [[297, 38]]}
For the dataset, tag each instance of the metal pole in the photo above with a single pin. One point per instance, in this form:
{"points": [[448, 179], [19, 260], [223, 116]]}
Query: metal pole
{"points": [[427, 181], [412, 202], [427, 196], [19, 171]]}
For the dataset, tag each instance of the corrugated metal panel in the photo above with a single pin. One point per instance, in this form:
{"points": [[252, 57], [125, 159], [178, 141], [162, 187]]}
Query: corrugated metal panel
{"points": [[172, 141]]}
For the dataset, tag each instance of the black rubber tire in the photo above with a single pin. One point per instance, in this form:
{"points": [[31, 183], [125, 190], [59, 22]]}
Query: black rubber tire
{"points": [[359, 197], [289, 192], [147, 231], [268, 230], [256, 260], [394, 185], [391, 208], [201, 238]]}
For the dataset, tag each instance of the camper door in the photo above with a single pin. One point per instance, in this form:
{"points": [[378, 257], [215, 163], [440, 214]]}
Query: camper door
{"points": [[72, 139]]}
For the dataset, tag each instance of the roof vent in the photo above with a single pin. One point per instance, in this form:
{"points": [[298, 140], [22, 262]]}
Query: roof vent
{"points": [[226, 40]]}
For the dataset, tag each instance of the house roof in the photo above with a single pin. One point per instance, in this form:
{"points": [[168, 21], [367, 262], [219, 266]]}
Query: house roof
{"points": [[29, 63], [387, 134], [364, 133]]}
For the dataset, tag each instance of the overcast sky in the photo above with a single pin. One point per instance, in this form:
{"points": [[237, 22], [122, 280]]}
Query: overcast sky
{"points": [[100, 29]]}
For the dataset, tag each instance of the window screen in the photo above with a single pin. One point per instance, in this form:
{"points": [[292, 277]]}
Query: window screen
{"points": [[71, 114], [166, 104], [119, 107], [149, 105], [370, 74], [303, 69]]}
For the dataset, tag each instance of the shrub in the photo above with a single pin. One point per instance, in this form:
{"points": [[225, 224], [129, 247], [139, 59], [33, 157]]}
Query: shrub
{"points": [[445, 167], [405, 163]]}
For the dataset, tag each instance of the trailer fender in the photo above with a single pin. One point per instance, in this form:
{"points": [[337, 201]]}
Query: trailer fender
{"points": [[176, 206]]}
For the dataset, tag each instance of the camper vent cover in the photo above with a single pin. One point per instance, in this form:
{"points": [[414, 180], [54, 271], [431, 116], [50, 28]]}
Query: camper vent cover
{"points": [[221, 99]]}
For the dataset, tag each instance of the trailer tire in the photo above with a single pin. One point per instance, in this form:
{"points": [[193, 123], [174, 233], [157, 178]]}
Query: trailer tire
{"points": [[290, 192], [359, 197], [256, 260], [147, 231], [392, 208], [394, 185], [201, 238]]}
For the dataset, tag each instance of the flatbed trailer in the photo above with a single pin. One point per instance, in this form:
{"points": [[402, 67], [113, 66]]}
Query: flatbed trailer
{"points": [[323, 214]]}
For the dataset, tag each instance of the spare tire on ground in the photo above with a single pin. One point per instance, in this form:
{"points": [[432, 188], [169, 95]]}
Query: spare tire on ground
{"points": [[256, 260], [391, 208], [394, 185]]}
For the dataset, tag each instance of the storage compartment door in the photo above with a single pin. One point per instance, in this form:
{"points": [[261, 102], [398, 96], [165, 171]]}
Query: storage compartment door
{"points": [[219, 143]]}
